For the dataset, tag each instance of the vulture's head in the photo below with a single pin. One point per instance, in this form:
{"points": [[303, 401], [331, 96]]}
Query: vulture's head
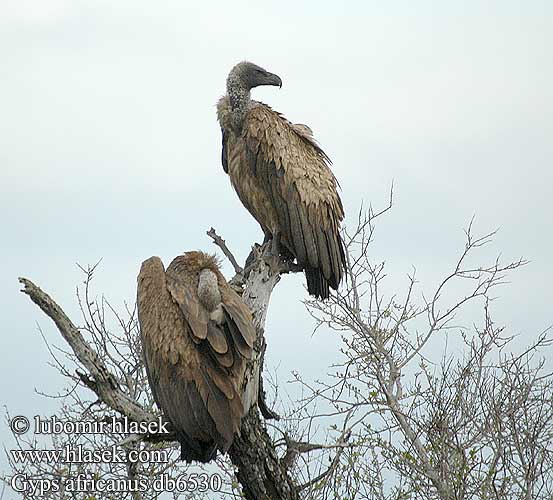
{"points": [[248, 75]]}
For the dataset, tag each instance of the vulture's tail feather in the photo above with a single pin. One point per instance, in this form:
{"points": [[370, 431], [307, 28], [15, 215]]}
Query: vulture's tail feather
{"points": [[193, 450], [317, 285]]}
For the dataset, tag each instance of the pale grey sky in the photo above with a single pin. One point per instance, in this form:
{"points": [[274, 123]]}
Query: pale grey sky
{"points": [[109, 147]]}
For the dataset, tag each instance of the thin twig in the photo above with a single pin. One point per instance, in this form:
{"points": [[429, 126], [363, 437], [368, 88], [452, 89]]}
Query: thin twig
{"points": [[220, 242]]}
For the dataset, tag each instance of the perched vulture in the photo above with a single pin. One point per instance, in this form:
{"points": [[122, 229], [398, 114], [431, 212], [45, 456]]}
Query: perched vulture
{"points": [[197, 335], [283, 178]]}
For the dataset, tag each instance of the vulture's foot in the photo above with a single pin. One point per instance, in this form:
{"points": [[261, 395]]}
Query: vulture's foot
{"points": [[275, 245], [280, 250], [286, 255], [275, 255], [268, 237]]}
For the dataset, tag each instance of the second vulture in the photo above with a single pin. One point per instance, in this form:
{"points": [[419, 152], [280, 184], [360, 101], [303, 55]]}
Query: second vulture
{"points": [[283, 179], [197, 336]]}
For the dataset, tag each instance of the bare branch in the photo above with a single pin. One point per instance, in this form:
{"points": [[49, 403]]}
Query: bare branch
{"points": [[220, 242], [102, 382]]}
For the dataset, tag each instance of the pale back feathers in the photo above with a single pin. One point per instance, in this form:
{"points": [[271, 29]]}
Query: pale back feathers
{"points": [[195, 364], [283, 178]]}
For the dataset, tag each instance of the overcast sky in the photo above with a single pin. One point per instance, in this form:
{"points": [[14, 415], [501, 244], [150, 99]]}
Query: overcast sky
{"points": [[110, 149]]}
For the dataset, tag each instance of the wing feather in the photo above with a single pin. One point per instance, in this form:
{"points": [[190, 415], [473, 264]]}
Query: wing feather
{"points": [[238, 314], [216, 338], [296, 238], [194, 313], [336, 262], [293, 172], [222, 382], [239, 342], [325, 253], [309, 237], [226, 360], [218, 407]]}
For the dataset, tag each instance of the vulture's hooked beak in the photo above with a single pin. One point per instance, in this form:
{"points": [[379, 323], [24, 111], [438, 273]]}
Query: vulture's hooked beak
{"points": [[275, 80]]}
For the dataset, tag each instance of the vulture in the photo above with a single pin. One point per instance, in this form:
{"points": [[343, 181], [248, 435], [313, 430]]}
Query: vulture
{"points": [[283, 178], [197, 335]]}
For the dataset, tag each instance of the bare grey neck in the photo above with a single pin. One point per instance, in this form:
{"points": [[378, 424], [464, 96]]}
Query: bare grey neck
{"points": [[208, 289], [239, 96]]}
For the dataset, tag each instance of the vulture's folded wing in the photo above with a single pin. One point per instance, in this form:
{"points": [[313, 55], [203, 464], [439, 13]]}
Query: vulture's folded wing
{"points": [[189, 380], [201, 326], [294, 171], [239, 321], [190, 306], [166, 345]]}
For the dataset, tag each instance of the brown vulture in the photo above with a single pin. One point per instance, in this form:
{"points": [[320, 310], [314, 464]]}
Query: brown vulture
{"points": [[283, 178], [197, 335]]}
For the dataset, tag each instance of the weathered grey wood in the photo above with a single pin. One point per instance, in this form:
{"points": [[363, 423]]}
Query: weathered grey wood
{"points": [[260, 472], [261, 280]]}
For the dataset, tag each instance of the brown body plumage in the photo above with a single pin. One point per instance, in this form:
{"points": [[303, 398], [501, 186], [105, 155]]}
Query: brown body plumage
{"points": [[283, 178], [197, 335]]}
